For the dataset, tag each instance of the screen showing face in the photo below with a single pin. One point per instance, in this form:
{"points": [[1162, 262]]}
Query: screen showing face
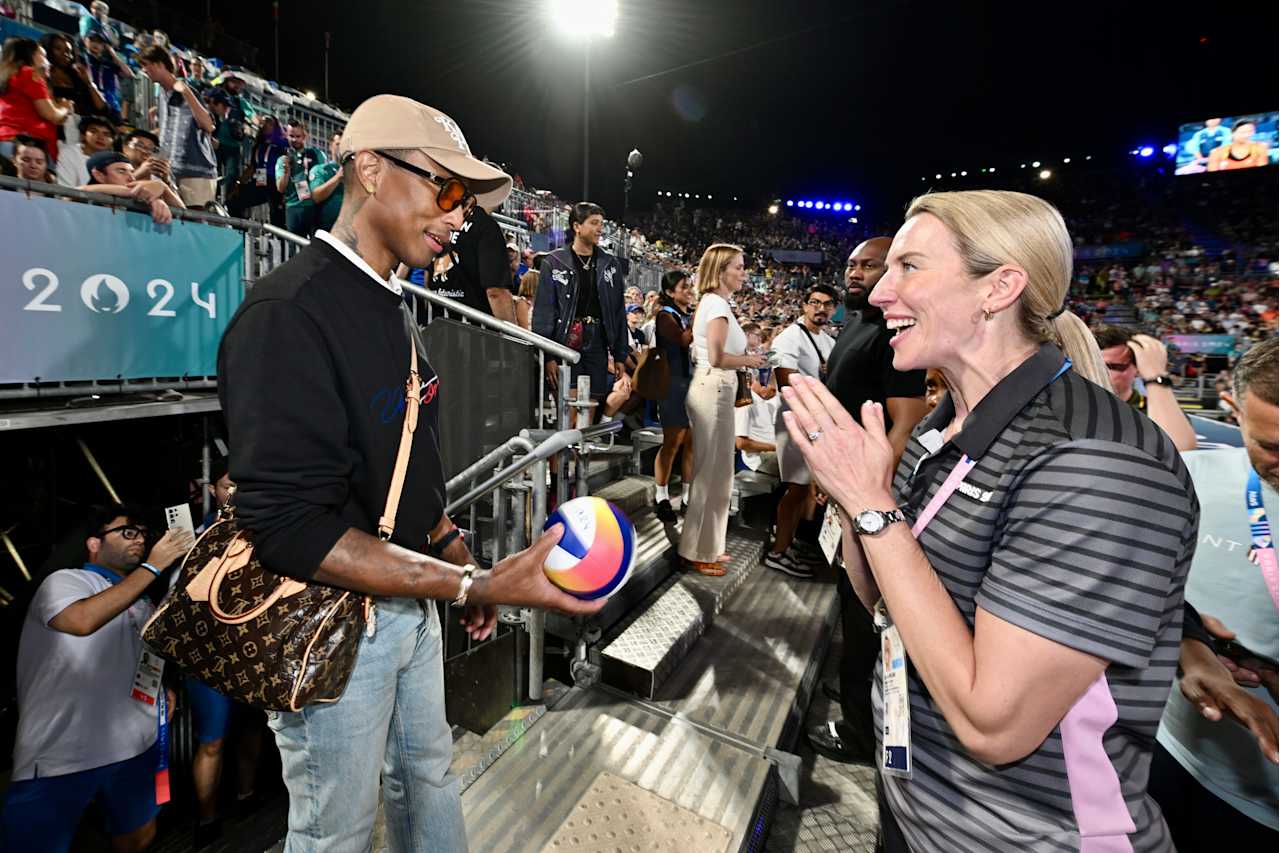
{"points": [[1227, 143]]}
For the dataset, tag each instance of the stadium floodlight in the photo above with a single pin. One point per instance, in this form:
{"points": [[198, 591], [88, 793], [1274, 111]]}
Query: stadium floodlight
{"points": [[992, 170], [668, 193], [1146, 151], [1045, 174], [584, 18], [937, 177], [857, 207], [964, 174], [310, 94], [1088, 156], [790, 203], [708, 196], [1066, 159], [1023, 166], [773, 210], [1035, 164], [953, 174], [853, 219], [696, 195]]}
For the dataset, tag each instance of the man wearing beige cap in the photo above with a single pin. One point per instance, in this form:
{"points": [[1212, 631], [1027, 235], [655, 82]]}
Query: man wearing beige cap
{"points": [[312, 375]]}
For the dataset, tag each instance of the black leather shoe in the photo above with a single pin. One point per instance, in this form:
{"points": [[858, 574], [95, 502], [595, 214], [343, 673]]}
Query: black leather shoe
{"points": [[831, 689], [834, 740], [665, 513]]}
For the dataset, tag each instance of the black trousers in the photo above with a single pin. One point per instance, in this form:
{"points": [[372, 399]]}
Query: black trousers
{"points": [[890, 838], [1198, 820], [857, 665]]}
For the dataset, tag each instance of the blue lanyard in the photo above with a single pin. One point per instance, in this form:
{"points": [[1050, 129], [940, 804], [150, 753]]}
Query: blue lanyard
{"points": [[103, 572], [162, 740]]}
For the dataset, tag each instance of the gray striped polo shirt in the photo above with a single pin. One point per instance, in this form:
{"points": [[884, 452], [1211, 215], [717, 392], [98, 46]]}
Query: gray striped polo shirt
{"points": [[1077, 523]]}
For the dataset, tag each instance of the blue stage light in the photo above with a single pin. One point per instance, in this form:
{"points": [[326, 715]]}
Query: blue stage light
{"points": [[1170, 149], [857, 207], [1146, 151], [790, 203]]}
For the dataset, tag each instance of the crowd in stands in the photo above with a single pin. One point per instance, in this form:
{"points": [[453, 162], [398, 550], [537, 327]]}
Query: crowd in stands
{"points": [[65, 98]]}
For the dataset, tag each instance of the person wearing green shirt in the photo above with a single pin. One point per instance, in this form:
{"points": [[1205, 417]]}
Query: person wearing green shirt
{"points": [[326, 186], [293, 180]]}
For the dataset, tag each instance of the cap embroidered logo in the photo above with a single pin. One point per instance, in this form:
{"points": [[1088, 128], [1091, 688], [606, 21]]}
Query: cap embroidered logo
{"points": [[455, 133]]}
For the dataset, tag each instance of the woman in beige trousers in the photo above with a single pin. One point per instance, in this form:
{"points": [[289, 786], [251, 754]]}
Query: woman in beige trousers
{"points": [[719, 351]]}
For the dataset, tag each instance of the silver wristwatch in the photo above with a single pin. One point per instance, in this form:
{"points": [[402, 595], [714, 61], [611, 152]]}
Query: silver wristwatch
{"points": [[869, 522]]}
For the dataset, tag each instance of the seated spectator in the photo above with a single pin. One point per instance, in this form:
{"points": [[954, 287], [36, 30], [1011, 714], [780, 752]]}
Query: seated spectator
{"points": [[326, 186], [26, 106], [1216, 778], [69, 78], [517, 268], [1128, 357], [185, 130], [635, 319], [111, 174], [753, 427], [96, 134], [142, 147], [83, 734], [31, 160]]}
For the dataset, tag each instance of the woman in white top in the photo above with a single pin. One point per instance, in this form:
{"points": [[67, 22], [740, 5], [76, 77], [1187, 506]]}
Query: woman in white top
{"points": [[719, 350]]}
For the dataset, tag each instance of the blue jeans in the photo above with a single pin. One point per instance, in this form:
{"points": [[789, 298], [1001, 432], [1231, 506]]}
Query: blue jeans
{"points": [[389, 724]]}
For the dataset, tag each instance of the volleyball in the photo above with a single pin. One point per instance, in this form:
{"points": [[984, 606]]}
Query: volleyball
{"points": [[597, 550]]}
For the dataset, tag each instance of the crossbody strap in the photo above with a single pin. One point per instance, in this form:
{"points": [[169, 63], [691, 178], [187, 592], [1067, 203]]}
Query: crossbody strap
{"points": [[821, 361], [412, 401]]}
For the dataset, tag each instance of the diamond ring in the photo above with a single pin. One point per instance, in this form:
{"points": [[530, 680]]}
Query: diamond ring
{"points": [[815, 435]]}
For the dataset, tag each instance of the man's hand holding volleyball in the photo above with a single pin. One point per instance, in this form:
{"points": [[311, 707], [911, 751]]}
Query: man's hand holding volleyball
{"points": [[519, 581]]}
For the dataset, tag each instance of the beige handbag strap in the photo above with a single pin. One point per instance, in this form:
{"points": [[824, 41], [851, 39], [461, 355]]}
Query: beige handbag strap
{"points": [[412, 400]]}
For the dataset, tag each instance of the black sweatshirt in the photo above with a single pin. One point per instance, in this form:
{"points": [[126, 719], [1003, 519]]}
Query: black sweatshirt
{"points": [[311, 375]]}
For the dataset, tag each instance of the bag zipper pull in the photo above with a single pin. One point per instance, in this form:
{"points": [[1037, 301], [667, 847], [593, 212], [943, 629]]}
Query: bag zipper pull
{"points": [[370, 617]]}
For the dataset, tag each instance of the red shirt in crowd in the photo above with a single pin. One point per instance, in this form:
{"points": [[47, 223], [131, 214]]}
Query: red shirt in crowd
{"points": [[18, 114]]}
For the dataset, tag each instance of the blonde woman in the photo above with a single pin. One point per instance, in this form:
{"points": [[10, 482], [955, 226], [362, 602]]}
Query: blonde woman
{"points": [[719, 351], [1027, 560]]}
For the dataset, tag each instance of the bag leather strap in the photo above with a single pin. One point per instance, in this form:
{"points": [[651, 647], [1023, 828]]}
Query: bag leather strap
{"points": [[412, 401]]}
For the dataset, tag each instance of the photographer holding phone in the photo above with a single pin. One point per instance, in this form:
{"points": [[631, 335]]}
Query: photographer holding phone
{"points": [[1215, 777]]}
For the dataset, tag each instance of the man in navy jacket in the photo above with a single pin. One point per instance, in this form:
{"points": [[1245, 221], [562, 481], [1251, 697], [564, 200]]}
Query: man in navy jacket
{"points": [[589, 319]]}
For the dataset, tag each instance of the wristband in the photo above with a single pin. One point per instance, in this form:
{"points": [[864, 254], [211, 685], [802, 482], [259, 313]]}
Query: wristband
{"points": [[464, 586], [1162, 379], [436, 549], [151, 569]]}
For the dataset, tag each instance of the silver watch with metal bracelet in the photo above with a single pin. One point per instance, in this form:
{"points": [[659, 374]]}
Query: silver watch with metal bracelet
{"points": [[869, 522]]}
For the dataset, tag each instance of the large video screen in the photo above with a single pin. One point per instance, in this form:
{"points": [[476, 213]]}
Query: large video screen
{"points": [[1227, 143]]}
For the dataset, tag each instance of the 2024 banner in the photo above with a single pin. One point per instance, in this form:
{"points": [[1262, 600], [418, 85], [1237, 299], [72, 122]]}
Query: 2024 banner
{"points": [[102, 293]]}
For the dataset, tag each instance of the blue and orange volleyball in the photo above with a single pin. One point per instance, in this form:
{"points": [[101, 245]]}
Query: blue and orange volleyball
{"points": [[597, 550]]}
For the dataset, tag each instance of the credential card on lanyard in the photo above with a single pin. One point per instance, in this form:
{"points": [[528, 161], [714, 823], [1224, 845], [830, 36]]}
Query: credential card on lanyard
{"points": [[895, 755], [304, 190], [829, 535], [146, 678]]}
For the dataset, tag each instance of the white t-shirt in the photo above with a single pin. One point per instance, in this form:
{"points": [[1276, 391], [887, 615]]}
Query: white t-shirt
{"points": [[796, 352], [75, 711], [710, 306], [72, 169], [756, 423]]}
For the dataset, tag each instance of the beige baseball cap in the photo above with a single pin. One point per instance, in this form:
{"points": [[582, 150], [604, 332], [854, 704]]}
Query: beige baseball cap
{"points": [[392, 121]]}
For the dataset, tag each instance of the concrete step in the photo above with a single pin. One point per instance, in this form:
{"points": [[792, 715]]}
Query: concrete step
{"points": [[652, 641]]}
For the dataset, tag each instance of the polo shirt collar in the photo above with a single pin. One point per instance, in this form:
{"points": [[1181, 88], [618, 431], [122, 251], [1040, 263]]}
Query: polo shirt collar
{"points": [[346, 251], [1001, 404]]}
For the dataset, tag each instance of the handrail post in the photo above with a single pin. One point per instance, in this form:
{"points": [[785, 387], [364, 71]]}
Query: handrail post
{"points": [[562, 468], [537, 621]]}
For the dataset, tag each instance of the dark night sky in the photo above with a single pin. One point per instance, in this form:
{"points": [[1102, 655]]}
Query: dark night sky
{"points": [[849, 99]]}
